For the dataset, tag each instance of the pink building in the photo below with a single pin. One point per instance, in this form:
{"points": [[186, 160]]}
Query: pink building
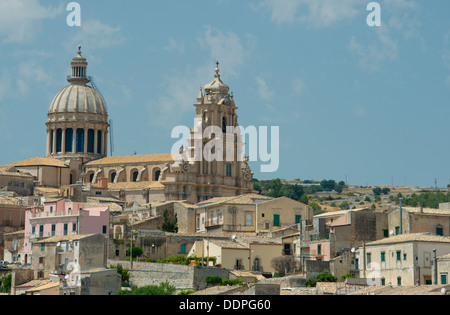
{"points": [[63, 217]]}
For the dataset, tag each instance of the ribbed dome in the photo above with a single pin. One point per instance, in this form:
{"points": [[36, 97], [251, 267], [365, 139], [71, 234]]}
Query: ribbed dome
{"points": [[217, 86], [76, 98]]}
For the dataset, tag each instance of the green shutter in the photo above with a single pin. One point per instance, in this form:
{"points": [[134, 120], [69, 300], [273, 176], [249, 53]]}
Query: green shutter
{"points": [[383, 257], [276, 220], [443, 279], [298, 218]]}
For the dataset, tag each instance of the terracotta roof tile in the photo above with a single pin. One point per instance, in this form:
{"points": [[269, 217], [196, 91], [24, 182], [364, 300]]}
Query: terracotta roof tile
{"points": [[132, 159]]}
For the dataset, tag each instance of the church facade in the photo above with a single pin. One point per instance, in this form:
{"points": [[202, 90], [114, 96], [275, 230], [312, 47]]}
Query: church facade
{"points": [[77, 137]]}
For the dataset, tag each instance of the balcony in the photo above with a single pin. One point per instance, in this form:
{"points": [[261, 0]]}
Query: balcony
{"points": [[54, 214]]}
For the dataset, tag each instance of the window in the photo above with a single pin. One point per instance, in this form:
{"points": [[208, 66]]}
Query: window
{"points": [[65, 228], [53, 229], [135, 176], [80, 140], [69, 140], [51, 209], [41, 231], [404, 256], [248, 220], [440, 231], [399, 255], [99, 142], [298, 219], [91, 136], [58, 140], [33, 229], [228, 169], [276, 220], [399, 281], [104, 229], [319, 249], [157, 175], [385, 233], [224, 125], [74, 227], [42, 247], [113, 177], [444, 278], [397, 230], [383, 281], [183, 249], [383, 257], [368, 260]]}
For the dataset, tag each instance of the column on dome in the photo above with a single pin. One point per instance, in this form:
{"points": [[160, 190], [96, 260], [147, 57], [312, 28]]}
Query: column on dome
{"points": [[95, 150], [63, 141], [85, 148], [49, 140]]}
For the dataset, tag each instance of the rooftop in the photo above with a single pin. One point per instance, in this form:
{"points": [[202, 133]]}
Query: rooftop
{"points": [[64, 238], [132, 159], [38, 161], [414, 237]]}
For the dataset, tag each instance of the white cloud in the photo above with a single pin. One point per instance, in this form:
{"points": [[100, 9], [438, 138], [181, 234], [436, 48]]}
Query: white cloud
{"points": [[5, 86], [263, 90], [315, 13], [373, 55], [175, 45], [95, 34], [182, 86], [21, 20], [31, 72], [227, 48], [298, 85]]}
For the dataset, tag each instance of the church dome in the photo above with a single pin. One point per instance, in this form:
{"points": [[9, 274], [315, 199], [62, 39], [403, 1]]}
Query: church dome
{"points": [[217, 86], [77, 98]]}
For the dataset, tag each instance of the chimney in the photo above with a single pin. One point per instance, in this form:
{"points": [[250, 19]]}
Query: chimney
{"points": [[102, 183]]}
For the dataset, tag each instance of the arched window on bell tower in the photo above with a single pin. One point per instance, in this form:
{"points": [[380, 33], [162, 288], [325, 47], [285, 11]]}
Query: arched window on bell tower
{"points": [[224, 125]]}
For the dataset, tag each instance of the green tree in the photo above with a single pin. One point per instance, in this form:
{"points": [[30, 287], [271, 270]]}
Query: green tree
{"points": [[136, 251], [124, 272], [377, 191], [170, 224]]}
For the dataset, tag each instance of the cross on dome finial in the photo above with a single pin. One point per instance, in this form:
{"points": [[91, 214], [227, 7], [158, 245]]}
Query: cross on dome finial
{"points": [[79, 50]]}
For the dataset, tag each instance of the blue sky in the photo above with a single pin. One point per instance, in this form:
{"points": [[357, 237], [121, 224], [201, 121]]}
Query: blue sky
{"points": [[370, 104]]}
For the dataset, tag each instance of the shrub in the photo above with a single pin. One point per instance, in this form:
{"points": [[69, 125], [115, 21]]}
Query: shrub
{"points": [[324, 276], [163, 289]]}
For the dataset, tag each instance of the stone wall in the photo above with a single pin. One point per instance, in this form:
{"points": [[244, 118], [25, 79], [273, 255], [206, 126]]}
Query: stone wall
{"points": [[181, 276], [314, 267]]}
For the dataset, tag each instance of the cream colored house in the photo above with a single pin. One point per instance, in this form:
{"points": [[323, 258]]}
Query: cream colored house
{"points": [[402, 260], [249, 213], [240, 252], [443, 269], [419, 220]]}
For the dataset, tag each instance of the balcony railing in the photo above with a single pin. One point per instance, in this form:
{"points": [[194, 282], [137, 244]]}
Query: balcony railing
{"points": [[53, 214]]}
